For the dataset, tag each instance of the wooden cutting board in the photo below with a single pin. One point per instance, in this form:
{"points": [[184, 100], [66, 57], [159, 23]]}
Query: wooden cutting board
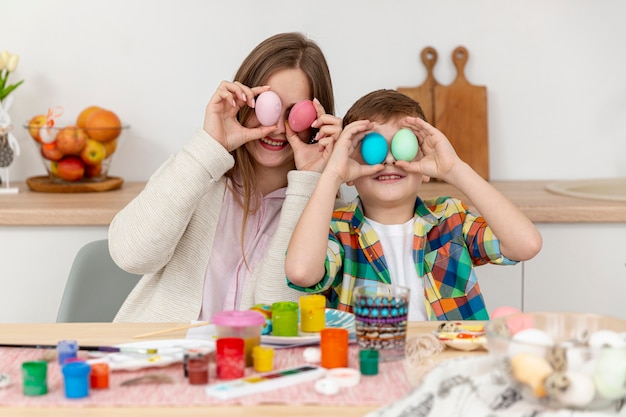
{"points": [[424, 94], [459, 110], [461, 114]]}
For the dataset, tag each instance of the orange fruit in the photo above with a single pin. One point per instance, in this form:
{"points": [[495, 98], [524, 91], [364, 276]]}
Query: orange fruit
{"points": [[83, 115], [103, 125]]}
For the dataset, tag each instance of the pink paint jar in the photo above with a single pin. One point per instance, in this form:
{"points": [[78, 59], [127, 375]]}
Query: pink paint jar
{"points": [[244, 324]]}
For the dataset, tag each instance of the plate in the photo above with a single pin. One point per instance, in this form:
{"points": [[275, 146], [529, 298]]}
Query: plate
{"points": [[465, 337], [168, 352], [334, 318]]}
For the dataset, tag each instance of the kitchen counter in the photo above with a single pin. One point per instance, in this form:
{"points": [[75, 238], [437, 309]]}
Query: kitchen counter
{"points": [[31, 208]]}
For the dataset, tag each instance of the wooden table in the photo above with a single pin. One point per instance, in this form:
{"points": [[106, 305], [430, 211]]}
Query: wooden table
{"points": [[114, 333]]}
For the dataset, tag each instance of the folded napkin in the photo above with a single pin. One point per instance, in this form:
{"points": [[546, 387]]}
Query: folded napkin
{"points": [[473, 386]]}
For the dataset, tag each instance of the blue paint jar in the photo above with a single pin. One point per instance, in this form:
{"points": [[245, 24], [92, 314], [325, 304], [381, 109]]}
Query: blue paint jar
{"points": [[66, 349], [76, 379]]}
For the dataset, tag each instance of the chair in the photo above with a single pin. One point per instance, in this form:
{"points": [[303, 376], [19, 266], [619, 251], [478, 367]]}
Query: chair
{"points": [[96, 286]]}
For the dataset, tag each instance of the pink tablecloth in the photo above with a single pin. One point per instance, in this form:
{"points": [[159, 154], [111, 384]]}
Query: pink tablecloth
{"points": [[388, 386]]}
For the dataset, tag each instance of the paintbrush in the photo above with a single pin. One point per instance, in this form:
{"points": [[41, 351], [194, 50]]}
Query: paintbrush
{"points": [[172, 329], [106, 349]]}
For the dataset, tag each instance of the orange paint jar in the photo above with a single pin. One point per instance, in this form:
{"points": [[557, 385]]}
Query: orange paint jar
{"points": [[334, 347], [99, 377]]}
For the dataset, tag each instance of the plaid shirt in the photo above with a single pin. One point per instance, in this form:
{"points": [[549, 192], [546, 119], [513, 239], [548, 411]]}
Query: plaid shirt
{"points": [[448, 241]]}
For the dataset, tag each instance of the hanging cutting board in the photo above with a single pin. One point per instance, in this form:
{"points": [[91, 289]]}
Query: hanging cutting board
{"points": [[461, 114], [424, 94]]}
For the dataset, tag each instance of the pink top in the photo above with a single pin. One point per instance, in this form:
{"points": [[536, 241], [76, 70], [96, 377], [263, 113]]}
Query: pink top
{"points": [[227, 272]]}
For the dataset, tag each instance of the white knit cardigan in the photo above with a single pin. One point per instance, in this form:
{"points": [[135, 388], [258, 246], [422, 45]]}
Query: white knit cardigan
{"points": [[167, 233]]}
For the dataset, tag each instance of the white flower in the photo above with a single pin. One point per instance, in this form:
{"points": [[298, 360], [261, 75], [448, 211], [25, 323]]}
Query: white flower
{"points": [[12, 62], [8, 63]]}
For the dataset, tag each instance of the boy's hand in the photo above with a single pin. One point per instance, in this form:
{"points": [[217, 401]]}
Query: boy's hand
{"points": [[438, 156], [341, 163], [220, 118]]}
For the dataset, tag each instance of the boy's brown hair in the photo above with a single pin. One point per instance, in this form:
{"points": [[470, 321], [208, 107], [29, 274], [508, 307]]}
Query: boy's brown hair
{"points": [[381, 106]]}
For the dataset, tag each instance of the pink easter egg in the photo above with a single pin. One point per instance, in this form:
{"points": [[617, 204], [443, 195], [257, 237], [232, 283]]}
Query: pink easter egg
{"points": [[503, 311], [515, 320], [268, 108], [301, 116]]}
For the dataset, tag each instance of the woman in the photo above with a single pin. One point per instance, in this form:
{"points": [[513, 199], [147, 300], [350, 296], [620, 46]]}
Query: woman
{"points": [[210, 230]]}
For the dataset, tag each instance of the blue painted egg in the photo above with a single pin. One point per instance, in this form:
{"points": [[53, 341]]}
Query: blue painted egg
{"points": [[404, 145], [374, 148]]}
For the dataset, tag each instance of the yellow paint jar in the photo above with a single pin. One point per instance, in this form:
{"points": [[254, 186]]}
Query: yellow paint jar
{"points": [[312, 313], [263, 357]]}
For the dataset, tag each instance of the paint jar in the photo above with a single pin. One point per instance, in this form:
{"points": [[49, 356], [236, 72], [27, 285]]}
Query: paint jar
{"points": [[195, 353], [368, 361], [198, 370], [285, 318], [334, 347], [266, 310], [312, 313], [66, 349], [76, 379], [246, 325], [35, 378], [99, 377], [263, 358], [229, 357]]}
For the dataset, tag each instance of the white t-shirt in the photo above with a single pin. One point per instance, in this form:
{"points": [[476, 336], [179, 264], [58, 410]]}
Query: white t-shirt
{"points": [[397, 243]]}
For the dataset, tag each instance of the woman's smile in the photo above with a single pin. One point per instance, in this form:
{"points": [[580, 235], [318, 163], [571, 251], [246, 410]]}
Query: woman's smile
{"points": [[273, 144]]}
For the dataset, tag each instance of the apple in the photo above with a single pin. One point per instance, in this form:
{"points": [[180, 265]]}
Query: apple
{"points": [[71, 140], [92, 171], [110, 147], [36, 123], [93, 153], [54, 168], [70, 168], [51, 152]]}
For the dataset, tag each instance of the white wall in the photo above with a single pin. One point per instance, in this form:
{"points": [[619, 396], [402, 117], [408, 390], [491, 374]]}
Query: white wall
{"points": [[554, 68]]}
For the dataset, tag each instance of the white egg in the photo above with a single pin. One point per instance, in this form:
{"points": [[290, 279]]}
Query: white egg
{"points": [[580, 390], [532, 341], [577, 357], [602, 338]]}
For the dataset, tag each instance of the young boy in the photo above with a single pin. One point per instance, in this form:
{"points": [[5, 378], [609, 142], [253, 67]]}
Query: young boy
{"points": [[389, 235]]}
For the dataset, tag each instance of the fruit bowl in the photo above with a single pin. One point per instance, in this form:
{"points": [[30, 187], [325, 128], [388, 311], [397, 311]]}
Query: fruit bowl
{"points": [[80, 152], [562, 360]]}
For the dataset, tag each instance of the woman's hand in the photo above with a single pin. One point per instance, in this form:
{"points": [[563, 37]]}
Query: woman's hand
{"points": [[314, 156], [220, 118]]}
